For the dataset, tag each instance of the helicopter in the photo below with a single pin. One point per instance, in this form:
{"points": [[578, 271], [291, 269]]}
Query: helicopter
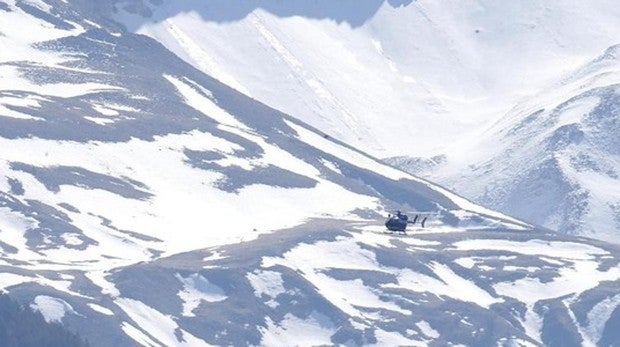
{"points": [[399, 221]]}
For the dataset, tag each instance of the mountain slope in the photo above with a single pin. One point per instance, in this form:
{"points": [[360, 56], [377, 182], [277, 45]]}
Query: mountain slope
{"points": [[330, 283], [114, 139], [388, 77], [554, 159], [143, 202], [413, 79], [20, 327]]}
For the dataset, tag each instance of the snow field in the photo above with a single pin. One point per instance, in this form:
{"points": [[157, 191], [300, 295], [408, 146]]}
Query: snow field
{"points": [[196, 288], [52, 309], [162, 329]]}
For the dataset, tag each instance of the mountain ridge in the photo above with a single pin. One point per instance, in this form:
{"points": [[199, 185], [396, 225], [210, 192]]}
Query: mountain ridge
{"points": [[566, 133]]}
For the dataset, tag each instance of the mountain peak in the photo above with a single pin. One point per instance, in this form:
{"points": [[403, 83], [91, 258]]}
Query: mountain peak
{"points": [[612, 53]]}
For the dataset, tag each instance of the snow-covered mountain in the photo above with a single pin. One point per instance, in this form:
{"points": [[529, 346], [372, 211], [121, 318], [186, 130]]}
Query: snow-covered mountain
{"points": [[554, 159], [407, 79], [143, 202], [397, 77]]}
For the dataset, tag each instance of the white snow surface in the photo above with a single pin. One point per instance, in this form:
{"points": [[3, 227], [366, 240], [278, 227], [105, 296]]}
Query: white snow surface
{"points": [[315, 330], [554, 145], [421, 79], [138, 335], [355, 81], [363, 160], [266, 283], [101, 309], [204, 208], [52, 309], [392, 80], [598, 317], [427, 329], [196, 289], [449, 284], [566, 250], [161, 327]]}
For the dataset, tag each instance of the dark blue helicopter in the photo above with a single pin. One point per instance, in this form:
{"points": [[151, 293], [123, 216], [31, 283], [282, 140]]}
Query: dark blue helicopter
{"points": [[399, 221]]}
